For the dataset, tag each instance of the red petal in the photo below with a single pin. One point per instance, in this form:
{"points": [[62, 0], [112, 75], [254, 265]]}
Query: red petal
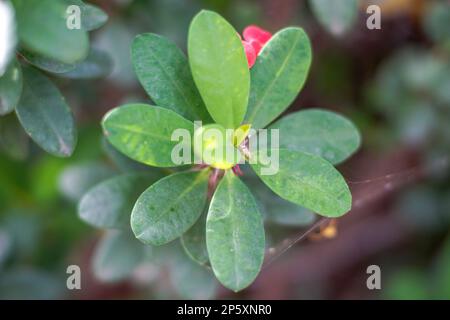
{"points": [[256, 45], [250, 53], [256, 33]]}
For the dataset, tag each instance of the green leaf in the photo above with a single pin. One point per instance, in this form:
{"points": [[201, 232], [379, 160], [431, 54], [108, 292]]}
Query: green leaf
{"points": [[109, 204], [306, 180], [274, 208], [22, 283], [45, 115], [163, 71], [234, 234], [116, 256], [42, 28], [436, 22], [191, 281], [169, 207], [278, 76], [92, 17], [97, 64], [319, 132], [408, 283], [337, 16], [286, 213], [121, 161], [10, 88], [219, 67], [143, 132], [5, 247], [24, 230], [194, 241], [75, 180], [46, 63], [166, 254]]}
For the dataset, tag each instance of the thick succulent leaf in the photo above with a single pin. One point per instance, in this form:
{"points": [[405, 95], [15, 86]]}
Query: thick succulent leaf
{"points": [[117, 256], [97, 64], [45, 115], [75, 180], [46, 63], [92, 17], [23, 283], [234, 234], [285, 213], [194, 241], [121, 161], [337, 16], [144, 132], [274, 208], [190, 280], [307, 180], [109, 204], [5, 247], [10, 88], [319, 132], [163, 70], [278, 76], [42, 28], [219, 67], [436, 22], [169, 207]]}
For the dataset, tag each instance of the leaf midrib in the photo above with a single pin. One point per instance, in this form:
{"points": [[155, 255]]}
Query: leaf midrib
{"points": [[274, 80], [175, 84], [285, 174], [64, 148], [234, 234], [157, 219], [320, 191], [142, 132]]}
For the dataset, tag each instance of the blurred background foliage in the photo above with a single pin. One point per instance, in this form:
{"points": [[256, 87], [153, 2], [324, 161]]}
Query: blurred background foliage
{"points": [[394, 83]]}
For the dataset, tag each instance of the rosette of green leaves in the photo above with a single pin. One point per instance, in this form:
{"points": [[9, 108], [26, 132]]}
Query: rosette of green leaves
{"points": [[215, 85]]}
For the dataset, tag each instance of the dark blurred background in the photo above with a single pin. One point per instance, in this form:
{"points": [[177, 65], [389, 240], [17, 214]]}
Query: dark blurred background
{"points": [[394, 83]]}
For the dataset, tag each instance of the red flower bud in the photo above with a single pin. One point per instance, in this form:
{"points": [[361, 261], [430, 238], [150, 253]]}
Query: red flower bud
{"points": [[256, 45], [257, 34], [254, 40], [250, 53]]}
